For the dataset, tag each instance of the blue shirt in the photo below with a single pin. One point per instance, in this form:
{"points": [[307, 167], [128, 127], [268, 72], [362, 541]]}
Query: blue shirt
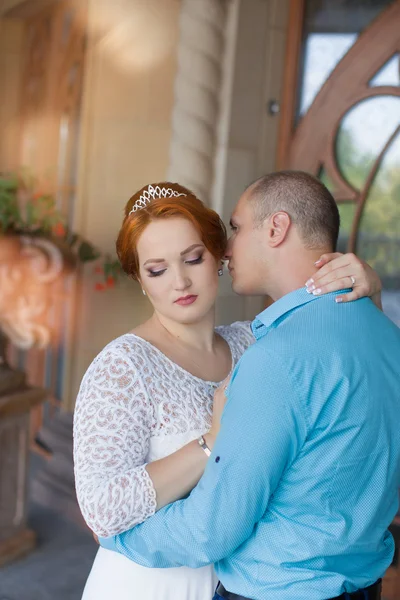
{"points": [[303, 479]]}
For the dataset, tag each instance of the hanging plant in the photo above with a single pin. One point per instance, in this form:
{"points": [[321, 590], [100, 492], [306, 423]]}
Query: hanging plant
{"points": [[24, 212]]}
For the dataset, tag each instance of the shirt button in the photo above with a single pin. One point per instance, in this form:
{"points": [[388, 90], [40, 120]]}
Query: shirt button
{"points": [[217, 459]]}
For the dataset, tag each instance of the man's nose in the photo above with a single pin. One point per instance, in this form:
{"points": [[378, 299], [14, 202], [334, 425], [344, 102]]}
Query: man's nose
{"points": [[228, 249]]}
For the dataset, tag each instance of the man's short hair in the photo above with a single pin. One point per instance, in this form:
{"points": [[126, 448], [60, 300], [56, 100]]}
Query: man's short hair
{"points": [[307, 201]]}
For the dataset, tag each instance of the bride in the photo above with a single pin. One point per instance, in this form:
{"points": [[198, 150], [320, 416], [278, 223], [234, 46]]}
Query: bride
{"points": [[143, 425]]}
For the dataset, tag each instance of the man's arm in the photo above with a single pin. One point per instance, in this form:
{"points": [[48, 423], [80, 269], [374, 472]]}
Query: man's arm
{"points": [[262, 429]]}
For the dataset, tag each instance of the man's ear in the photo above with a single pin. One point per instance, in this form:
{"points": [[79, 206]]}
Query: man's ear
{"points": [[277, 226]]}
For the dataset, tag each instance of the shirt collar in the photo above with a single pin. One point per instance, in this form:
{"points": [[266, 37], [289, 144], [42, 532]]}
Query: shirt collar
{"points": [[266, 320]]}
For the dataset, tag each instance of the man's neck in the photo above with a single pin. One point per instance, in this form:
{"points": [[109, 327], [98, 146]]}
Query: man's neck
{"points": [[293, 273]]}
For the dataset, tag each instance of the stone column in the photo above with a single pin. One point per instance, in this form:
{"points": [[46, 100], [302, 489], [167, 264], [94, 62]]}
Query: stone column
{"points": [[197, 94]]}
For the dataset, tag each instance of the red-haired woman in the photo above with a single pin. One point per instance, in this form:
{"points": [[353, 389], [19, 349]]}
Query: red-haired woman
{"points": [[144, 414]]}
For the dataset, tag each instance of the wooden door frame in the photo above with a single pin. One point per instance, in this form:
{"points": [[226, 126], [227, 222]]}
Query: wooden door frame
{"points": [[290, 80]]}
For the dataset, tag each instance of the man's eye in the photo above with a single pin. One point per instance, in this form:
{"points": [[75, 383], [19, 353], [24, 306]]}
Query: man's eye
{"points": [[233, 228]]}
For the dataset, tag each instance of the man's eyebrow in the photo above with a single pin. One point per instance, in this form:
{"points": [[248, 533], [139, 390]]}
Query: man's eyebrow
{"points": [[160, 260]]}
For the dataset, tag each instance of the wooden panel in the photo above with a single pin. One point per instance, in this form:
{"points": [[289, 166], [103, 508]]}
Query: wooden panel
{"points": [[290, 80]]}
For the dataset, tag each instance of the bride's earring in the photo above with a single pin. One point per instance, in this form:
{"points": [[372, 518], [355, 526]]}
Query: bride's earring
{"points": [[220, 272], [143, 292]]}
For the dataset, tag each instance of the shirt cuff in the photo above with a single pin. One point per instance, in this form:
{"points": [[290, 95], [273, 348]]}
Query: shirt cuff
{"points": [[108, 543]]}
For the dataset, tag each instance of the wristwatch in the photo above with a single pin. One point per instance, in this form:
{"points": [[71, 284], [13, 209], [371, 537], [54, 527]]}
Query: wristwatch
{"points": [[202, 443]]}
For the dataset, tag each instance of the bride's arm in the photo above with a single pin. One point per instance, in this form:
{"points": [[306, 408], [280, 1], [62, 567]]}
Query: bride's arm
{"points": [[115, 487]]}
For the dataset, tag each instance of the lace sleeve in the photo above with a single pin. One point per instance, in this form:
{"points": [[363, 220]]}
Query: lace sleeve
{"points": [[245, 333], [112, 425]]}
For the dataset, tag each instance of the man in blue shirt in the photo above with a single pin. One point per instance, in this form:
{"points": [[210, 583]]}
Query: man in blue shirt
{"points": [[303, 479]]}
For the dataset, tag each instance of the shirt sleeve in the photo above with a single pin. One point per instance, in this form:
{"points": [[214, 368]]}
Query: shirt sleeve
{"points": [[262, 430], [112, 424]]}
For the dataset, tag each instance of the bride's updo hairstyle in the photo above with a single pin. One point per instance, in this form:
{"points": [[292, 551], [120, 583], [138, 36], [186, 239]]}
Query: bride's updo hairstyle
{"points": [[166, 200]]}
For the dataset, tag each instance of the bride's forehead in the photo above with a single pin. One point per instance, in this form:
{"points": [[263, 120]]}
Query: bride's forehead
{"points": [[172, 235]]}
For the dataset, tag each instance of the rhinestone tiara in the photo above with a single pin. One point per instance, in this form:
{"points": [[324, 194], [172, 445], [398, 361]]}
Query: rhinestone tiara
{"points": [[151, 194]]}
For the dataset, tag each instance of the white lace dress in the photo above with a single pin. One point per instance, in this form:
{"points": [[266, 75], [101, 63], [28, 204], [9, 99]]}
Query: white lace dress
{"points": [[135, 406]]}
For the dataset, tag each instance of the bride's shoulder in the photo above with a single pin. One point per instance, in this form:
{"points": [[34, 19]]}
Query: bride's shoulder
{"points": [[127, 348], [239, 332]]}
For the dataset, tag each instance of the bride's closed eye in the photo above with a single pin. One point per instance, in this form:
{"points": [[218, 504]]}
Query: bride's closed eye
{"points": [[195, 261], [156, 273]]}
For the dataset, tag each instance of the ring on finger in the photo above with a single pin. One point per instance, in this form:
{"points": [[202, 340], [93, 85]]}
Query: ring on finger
{"points": [[353, 280]]}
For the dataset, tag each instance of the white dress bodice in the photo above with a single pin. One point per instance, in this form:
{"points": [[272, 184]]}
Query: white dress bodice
{"points": [[136, 406]]}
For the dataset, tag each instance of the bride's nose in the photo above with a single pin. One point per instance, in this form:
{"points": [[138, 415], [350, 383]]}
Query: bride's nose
{"points": [[182, 281]]}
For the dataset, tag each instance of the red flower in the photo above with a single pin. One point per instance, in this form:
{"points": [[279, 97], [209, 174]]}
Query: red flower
{"points": [[99, 287], [110, 282], [59, 230]]}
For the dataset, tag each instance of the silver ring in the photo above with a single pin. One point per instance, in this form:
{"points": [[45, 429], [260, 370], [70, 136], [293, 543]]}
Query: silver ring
{"points": [[353, 280]]}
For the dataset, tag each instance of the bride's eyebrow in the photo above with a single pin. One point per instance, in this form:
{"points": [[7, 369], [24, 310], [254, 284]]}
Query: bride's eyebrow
{"points": [[160, 260], [154, 260], [193, 247]]}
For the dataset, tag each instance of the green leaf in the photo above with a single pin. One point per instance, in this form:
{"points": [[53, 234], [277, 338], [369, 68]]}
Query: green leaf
{"points": [[87, 252]]}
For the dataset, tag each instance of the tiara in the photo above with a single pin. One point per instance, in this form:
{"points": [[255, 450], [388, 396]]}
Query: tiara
{"points": [[151, 194]]}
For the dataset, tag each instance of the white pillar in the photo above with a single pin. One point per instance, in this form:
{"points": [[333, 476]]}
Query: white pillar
{"points": [[197, 94]]}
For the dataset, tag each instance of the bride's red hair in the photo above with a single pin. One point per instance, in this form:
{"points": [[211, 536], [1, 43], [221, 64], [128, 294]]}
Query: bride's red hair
{"points": [[207, 222]]}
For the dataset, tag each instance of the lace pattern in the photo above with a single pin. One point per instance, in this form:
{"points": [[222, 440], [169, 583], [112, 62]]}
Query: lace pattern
{"points": [[133, 397]]}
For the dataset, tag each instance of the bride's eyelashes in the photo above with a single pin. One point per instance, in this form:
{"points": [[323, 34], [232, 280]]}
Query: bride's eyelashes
{"points": [[156, 273], [196, 261]]}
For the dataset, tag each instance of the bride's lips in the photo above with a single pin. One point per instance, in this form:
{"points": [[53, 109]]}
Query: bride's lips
{"points": [[186, 300]]}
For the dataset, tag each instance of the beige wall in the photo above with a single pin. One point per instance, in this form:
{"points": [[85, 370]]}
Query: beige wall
{"points": [[11, 61], [252, 140], [125, 135]]}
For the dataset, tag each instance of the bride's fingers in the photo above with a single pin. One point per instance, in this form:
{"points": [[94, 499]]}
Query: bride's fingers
{"points": [[347, 277], [349, 297], [349, 262], [337, 285], [326, 258]]}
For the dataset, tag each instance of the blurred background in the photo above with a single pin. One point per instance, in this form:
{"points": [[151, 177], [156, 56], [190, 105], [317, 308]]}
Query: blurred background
{"points": [[97, 99]]}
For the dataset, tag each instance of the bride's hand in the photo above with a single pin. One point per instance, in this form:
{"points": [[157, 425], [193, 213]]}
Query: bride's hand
{"points": [[218, 407], [337, 271]]}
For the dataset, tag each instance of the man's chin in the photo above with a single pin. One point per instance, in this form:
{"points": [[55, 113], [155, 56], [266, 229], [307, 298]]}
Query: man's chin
{"points": [[243, 289], [240, 288]]}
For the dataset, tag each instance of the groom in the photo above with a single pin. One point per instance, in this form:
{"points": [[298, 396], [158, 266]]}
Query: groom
{"points": [[303, 479]]}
